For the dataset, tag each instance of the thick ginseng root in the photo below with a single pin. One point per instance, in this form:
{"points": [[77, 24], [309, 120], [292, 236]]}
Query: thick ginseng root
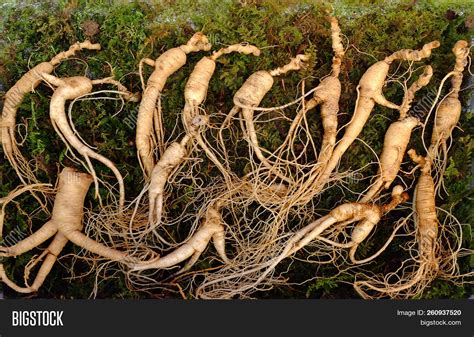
{"points": [[169, 161], [396, 140], [50, 256], [327, 95], [65, 222], [66, 218], [394, 146], [251, 94], [366, 217], [171, 158], [426, 222], [447, 114], [197, 85], [195, 93], [149, 134], [211, 228], [425, 209], [3, 202], [370, 93], [449, 109], [71, 88], [13, 99]]}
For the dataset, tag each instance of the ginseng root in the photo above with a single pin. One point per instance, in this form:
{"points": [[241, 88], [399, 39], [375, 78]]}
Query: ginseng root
{"points": [[171, 158], [211, 228], [13, 99], [426, 222], [65, 225], [447, 114], [327, 95], [370, 93], [195, 93], [149, 134], [396, 140], [366, 217], [71, 88], [250, 95]]}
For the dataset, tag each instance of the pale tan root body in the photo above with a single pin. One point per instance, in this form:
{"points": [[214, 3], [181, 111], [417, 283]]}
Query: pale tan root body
{"points": [[149, 134], [327, 95], [370, 93], [13, 99], [65, 225], [211, 228], [396, 140], [425, 210], [194, 94], [395, 143], [70, 88], [171, 158], [426, 221], [250, 95], [447, 114], [365, 215]]}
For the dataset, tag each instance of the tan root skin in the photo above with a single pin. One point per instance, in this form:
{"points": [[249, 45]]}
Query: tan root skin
{"points": [[194, 94], [395, 143], [149, 132], [65, 225], [212, 228], [68, 89], [396, 140], [425, 208], [366, 215], [13, 99], [198, 83], [447, 115], [337, 47], [426, 221], [449, 110], [251, 94], [172, 157], [370, 93], [327, 94]]}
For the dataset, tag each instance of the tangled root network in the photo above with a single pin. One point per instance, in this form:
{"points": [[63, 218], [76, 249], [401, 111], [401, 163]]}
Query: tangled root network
{"points": [[201, 227]]}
